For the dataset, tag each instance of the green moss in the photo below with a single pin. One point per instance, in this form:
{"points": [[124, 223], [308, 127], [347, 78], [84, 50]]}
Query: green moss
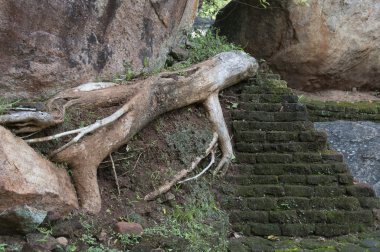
{"points": [[333, 110], [6, 104], [199, 221], [188, 140]]}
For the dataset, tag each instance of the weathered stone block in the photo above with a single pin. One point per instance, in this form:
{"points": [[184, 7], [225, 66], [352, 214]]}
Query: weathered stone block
{"points": [[273, 98], [249, 147], [273, 158], [251, 136], [269, 107], [290, 116], [266, 90], [329, 191], [260, 116], [321, 180], [265, 229], [252, 179], [292, 179], [345, 179], [360, 191], [330, 230], [252, 216], [244, 228], [299, 191], [283, 216], [246, 158], [280, 136], [312, 216], [298, 230], [297, 168], [259, 191], [293, 203], [369, 202], [313, 136], [335, 157], [264, 203], [344, 203], [309, 157], [250, 97]]}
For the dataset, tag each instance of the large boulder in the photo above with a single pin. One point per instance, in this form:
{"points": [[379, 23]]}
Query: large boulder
{"points": [[319, 45], [31, 187], [50, 45]]}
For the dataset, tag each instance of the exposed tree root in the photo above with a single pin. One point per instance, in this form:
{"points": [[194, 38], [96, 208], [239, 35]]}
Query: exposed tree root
{"points": [[115, 175], [181, 174], [144, 100]]}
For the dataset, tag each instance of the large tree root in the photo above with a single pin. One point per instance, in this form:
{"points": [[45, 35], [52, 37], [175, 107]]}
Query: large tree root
{"points": [[144, 100]]}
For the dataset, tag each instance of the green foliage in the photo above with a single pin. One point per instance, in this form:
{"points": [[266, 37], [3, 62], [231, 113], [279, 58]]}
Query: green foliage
{"points": [[101, 248], [211, 7], [3, 246], [128, 71], [302, 2], [71, 248], [204, 45], [128, 239], [6, 104], [199, 221], [46, 232]]}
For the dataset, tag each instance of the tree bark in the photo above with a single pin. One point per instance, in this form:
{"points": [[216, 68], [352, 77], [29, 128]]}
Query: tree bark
{"points": [[144, 101]]}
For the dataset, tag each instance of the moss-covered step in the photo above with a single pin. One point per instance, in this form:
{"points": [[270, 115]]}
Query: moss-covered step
{"points": [[285, 181], [320, 111]]}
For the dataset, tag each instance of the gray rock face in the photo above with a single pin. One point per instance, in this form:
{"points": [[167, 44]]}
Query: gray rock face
{"points": [[50, 45], [326, 44], [359, 142], [21, 219]]}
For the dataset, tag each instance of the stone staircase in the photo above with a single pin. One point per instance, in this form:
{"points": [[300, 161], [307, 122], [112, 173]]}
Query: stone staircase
{"points": [[285, 181]]}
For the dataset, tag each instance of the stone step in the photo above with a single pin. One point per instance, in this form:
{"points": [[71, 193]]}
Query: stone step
{"points": [[290, 147], [263, 116], [296, 157], [291, 168], [250, 158], [297, 230], [326, 184], [272, 107], [266, 90], [303, 216], [253, 201], [259, 136], [269, 98], [231, 202], [272, 126], [252, 179]]}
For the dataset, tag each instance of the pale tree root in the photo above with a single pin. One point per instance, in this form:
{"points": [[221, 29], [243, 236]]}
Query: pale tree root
{"points": [[183, 173], [144, 101]]}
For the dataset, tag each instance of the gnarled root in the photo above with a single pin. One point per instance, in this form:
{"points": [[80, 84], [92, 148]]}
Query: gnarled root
{"points": [[144, 100]]}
